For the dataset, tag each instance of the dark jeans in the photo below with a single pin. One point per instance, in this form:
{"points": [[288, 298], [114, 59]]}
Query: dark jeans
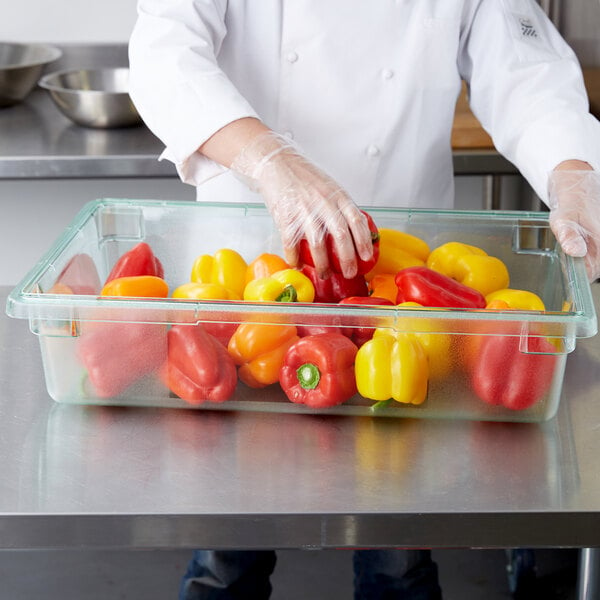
{"points": [[378, 575]]}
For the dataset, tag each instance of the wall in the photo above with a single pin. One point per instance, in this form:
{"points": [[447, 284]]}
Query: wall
{"points": [[67, 21]]}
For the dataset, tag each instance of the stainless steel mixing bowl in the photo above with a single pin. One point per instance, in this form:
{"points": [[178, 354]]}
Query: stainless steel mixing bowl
{"points": [[21, 66], [93, 97]]}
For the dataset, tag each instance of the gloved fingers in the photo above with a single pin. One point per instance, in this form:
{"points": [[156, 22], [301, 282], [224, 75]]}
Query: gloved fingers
{"points": [[359, 228], [574, 202], [570, 236]]}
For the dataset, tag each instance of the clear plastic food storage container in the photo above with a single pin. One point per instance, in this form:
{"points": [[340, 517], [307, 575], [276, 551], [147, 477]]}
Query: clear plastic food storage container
{"points": [[498, 361]]}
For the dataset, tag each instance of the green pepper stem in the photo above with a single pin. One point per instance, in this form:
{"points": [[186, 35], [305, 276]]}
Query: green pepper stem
{"points": [[289, 294], [308, 376]]}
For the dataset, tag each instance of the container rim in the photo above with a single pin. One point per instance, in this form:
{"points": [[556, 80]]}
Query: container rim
{"points": [[25, 299]]}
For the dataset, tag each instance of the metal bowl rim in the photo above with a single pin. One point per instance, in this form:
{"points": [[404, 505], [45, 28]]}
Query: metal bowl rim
{"points": [[54, 54], [44, 81]]}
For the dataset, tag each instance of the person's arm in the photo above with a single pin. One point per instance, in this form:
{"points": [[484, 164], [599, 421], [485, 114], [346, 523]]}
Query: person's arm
{"points": [[207, 126], [303, 200], [527, 90]]}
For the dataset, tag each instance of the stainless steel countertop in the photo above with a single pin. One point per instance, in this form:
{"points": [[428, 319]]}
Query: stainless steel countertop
{"points": [[38, 142], [74, 476]]}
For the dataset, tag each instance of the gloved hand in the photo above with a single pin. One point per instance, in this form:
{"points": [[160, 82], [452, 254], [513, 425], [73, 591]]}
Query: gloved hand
{"points": [[574, 202], [304, 203]]}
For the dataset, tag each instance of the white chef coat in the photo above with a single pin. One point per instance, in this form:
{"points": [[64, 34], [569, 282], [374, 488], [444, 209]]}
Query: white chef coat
{"points": [[367, 89]]}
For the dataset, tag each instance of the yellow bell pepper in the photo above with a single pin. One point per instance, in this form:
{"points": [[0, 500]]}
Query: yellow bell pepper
{"points": [[398, 250], [516, 299], [226, 267], [470, 265], [288, 285], [392, 366], [204, 291], [437, 346]]}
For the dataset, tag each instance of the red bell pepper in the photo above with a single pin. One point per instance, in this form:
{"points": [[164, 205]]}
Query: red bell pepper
{"points": [[360, 335], [115, 355], [139, 260], [198, 366], [336, 287], [430, 288], [318, 370], [504, 375], [364, 266], [80, 276]]}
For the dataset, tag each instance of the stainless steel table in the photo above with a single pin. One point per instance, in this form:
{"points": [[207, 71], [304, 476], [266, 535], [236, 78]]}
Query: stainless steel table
{"points": [[157, 478]]}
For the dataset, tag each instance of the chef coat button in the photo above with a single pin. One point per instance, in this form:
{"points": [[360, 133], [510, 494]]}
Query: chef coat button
{"points": [[292, 57], [289, 135], [373, 150], [387, 73]]}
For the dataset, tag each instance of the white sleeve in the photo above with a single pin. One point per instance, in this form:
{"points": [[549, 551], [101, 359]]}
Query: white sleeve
{"points": [[176, 84], [527, 90]]}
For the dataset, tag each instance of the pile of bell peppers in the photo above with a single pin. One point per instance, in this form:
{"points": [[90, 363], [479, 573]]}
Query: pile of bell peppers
{"points": [[322, 365]]}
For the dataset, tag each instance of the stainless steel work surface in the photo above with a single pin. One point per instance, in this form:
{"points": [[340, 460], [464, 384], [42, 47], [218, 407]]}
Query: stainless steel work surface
{"points": [[155, 478], [37, 141]]}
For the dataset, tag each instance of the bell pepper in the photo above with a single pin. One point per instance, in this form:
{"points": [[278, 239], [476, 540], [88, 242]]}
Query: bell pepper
{"points": [[137, 286], [258, 349], [139, 260], [430, 288], [80, 275], [398, 250], [505, 376], [363, 266], [384, 286], [360, 335], [226, 267], [115, 355], [209, 291], [264, 265], [318, 370], [470, 265], [203, 291], [198, 367], [392, 366], [288, 285], [517, 299], [336, 287], [437, 345]]}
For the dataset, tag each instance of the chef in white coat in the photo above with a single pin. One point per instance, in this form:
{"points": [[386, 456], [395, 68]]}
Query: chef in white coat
{"points": [[326, 105], [366, 91]]}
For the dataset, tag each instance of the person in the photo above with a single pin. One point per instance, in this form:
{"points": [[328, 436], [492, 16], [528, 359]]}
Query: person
{"points": [[323, 107]]}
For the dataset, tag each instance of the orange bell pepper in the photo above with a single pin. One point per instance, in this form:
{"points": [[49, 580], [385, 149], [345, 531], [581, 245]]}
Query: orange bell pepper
{"points": [[265, 265], [259, 349], [384, 286], [148, 286]]}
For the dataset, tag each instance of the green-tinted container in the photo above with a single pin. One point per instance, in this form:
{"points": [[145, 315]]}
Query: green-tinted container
{"points": [[178, 232]]}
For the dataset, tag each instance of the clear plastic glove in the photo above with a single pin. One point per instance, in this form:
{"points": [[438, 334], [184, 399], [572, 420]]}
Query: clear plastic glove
{"points": [[304, 203], [574, 202]]}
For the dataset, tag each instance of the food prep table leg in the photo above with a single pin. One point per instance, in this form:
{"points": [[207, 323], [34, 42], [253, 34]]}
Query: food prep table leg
{"points": [[588, 585]]}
